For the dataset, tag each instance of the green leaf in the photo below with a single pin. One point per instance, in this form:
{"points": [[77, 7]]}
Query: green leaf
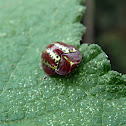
{"points": [[93, 95]]}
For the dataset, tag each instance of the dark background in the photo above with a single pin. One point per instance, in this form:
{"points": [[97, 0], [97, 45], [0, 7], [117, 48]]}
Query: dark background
{"points": [[106, 26]]}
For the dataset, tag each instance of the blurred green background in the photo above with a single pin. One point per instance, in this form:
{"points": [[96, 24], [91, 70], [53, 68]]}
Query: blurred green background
{"points": [[106, 25]]}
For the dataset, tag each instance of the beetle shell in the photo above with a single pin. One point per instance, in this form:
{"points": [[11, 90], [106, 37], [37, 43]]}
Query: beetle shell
{"points": [[60, 58]]}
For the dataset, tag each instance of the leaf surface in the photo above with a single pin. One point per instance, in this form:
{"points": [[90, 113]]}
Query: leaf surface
{"points": [[93, 95]]}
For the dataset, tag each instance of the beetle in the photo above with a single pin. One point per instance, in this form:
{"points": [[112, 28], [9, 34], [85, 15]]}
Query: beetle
{"points": [[60, 58]]}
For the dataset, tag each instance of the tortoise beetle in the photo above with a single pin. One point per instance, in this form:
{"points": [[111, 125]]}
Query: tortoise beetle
{"points": [[60, 58]]}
